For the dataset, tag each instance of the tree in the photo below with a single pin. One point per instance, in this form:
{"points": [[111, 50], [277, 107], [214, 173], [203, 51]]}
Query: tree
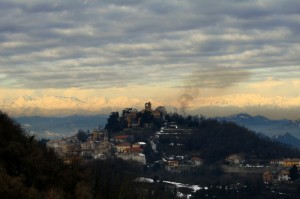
{"points": [[126, 111], [113, 122], [146, 118], [162, 110], [294, 173], [30, 170], [82, 136], [83, 191]]}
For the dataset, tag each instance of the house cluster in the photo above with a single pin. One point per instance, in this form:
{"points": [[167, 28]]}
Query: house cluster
{"points": [[181, 163], [273, 177], [276, 171], [127, 151], [285, 162], [65, 148], [281, 170], [97, 146], [235, 159]]}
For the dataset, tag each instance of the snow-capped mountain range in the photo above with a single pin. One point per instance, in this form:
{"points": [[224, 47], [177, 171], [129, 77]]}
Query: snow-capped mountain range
{"points": [[62, 106], [263, 125], [48, 105]]}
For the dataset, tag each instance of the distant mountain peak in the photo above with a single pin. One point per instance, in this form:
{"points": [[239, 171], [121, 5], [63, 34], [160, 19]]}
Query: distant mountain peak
{"points": [[242, 115], [269, 127], [245, 116], [288, 139]]}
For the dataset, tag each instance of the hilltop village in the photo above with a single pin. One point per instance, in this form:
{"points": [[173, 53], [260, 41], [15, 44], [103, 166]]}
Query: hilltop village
{"points": [[142, 136], [170, 145], [103, 143], [170, 156], [137, 140]]}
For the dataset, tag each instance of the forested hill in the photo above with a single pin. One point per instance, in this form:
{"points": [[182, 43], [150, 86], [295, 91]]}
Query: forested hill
{"points": [[216, 140], [29, 170]]}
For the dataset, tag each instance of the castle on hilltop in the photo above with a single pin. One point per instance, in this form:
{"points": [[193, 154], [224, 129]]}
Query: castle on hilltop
{"points": [[134, 117]]}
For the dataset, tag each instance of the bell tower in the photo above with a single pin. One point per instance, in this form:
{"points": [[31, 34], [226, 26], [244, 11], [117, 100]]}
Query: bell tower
{"points": [[148, 106]]}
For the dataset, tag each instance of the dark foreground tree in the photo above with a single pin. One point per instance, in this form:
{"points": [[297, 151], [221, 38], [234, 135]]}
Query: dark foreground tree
{"points": [[29, 170], [294, 173]]}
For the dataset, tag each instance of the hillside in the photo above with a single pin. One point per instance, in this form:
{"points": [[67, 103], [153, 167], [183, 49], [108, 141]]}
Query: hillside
{"points": [[261, 124], [216, 140], [288, 139], [29, 170]]}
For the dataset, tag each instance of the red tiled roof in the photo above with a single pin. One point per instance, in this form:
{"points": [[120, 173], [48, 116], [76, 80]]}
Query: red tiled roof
{"points": [[134, 149], [124, 144], [121, 137]]}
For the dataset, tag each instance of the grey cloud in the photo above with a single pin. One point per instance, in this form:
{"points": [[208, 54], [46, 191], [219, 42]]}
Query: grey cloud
{"points": [[217, 78], [45, 7], [65, 79], [153, 40]]}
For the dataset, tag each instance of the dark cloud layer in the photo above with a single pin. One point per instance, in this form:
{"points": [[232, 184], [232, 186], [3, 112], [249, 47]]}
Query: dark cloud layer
{"points": [[116, 43]]}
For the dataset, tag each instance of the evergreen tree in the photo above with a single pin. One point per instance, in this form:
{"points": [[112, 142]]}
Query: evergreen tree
{"points": [[81, 135], [294, 173], [113, 122]]}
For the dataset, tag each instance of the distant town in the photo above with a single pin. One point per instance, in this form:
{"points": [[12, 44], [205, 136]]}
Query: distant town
{"points": [[151, 139]]}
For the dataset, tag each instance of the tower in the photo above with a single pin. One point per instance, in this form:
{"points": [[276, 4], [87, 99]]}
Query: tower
{"points": [[106, 136], [148, 106]]}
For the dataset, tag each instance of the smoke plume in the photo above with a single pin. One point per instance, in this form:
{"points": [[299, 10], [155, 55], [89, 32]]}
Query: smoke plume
{"points": [[218, 78]]}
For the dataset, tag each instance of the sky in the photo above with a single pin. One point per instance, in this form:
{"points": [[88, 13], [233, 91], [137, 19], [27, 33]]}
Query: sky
{"points": [[206, 57]]}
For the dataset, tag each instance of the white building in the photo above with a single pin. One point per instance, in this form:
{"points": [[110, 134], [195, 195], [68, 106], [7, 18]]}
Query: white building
{"points": [[86, 146], [55, 143], [139, 157], [284, 176], [99, 156]]}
